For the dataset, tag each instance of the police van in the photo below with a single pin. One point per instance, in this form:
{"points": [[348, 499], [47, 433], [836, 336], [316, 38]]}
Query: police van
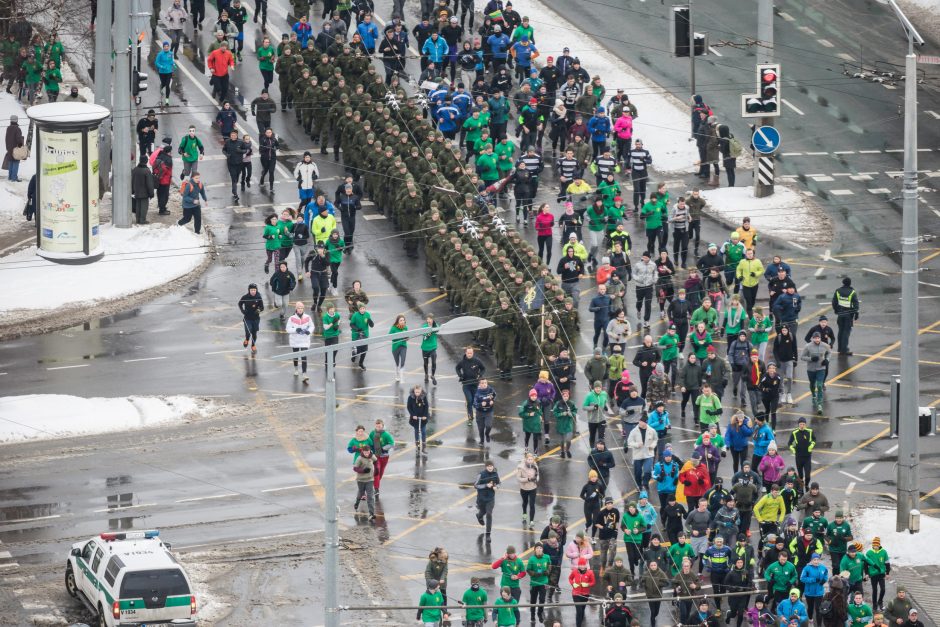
{"points": [[130, 579]]}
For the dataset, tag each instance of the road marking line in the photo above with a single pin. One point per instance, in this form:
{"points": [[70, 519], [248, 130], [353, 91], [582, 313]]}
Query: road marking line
{"points": [[454, 467], [879, 190], [867, 467], [850, 488], [120, 508], [930, 494], [795, 110], [826, 43], [377, 216], [800, 246], [845, 57], [894, 150], [234, 350], [289, 487], [891, 450], [714, 51], [207, 498], [841, 192], [860, 177], [802, 287], [819, 270], [2, 374], [817, 154], [875, 271], [844, 152], [806, 29], [130, 361], [786, 16], [791, 154], [67, 367], [189, 547], [17, 521], [850, 476], [822, 178]]}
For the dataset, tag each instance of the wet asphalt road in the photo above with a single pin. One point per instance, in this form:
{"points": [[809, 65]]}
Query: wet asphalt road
{"points": [[236, 480]]}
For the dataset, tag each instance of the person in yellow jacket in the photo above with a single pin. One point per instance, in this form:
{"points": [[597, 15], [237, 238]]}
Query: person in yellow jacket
{"points": [[579, 249], [680, 488], [749, 273], [769, 511], [748, 234], [322, 225]]}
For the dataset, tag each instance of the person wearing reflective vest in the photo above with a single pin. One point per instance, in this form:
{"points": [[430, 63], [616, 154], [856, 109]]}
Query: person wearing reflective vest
{"points": [[845, 305]]}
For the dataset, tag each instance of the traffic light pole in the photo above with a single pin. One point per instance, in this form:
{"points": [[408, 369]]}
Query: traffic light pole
{"points": [[765, 54], [691, 49], [121, 117]]}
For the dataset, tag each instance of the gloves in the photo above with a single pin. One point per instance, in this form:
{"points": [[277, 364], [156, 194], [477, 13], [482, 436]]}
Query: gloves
{"points": [[687, 483], [701, 481], [299, 331], [814, 358]]}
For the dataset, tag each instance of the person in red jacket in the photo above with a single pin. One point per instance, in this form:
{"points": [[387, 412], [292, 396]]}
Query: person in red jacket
{"points": [[219, 62], [581, 580], [695, 479]]}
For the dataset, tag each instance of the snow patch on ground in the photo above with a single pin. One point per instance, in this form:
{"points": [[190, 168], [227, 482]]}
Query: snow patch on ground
{"points": [[905, 549], [662, 120], [135, 260], [788, 215], [925, 14], [50, 416]]}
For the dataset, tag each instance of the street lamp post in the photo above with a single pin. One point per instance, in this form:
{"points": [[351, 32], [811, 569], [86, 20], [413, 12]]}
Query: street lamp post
{"points": [[908, 480], [463, 324]]}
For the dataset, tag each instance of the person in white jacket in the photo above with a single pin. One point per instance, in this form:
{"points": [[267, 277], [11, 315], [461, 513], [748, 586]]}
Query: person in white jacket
{"points": [[642, 444], [174, 18], [299, 333], [306, 173], [527, 472], [618, 330]]}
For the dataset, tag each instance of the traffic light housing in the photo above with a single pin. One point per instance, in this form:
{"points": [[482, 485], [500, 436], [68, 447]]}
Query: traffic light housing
{"points": [[139, 82], [766, 102], [679, 34]]}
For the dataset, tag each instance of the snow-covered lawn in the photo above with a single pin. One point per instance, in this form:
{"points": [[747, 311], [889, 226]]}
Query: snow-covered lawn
{"points": [[135, 260], [905, 549], [787, 214], [662, 121], [49, 416]]}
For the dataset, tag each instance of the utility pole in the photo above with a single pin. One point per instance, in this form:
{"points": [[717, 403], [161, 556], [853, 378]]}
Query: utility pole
{"points": [[765, 54], [691, 49], [908, 479], [121, 118], [103, 90]]}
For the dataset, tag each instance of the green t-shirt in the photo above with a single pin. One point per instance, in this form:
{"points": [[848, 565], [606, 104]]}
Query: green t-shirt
{"points": [[760, 330], [838, 535], [504, 153], [333, 321], [505, 616], [473, 127], [538, 568], [508, 569], [705, 404], [435, 599], [653, 213], [334, 250], [677, 552], [359, 325], [398, 343], [429, 340], [472, 598], [634, 522], [735, 319], [267, 55], [670, 344]]}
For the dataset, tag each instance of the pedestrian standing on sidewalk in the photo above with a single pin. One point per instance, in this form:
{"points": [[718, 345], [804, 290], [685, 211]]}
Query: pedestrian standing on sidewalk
{"points": [[845, 305], [527, 472], [364, 467], [486, 484], [162, 166], [299, 332], [142, 188], [382, 443]]}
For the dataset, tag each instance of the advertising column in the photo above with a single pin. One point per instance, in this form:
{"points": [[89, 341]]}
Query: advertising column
{"points": [[67, 206]]}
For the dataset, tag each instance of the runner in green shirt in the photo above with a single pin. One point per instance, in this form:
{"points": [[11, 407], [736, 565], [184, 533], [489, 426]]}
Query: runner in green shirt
{"points": [[432, 600], [505, 614], [537, 568], [472, 597], [429, 349]]}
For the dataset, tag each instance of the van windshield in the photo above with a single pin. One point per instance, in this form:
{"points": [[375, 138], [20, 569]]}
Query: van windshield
{"points": [[163, 582]]}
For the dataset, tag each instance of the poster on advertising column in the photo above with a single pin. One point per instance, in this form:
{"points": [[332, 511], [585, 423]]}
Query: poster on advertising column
{"points": [[61, 192]]}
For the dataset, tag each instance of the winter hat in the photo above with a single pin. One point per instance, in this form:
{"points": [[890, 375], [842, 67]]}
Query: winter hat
{"points": [[625, 376], [816, 334], [801, 420], [643, 495], [913, 612], [659, 369], [600, 110], [847, 282], [698, 99], [876, 542], [839, 514], [533, 393], [551, 59], [814, 556], [609, 499], [14, 117], [166, 44], [618, 597], [821, 318], [582, 563], [667, 454], [433, 583]]}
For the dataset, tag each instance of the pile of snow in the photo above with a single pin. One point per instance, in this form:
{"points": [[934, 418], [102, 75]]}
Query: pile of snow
{"points": [[905, 549], [786, 215], [925, 14], [135, 260], [13, 195], [662, 120], [49, 416]]}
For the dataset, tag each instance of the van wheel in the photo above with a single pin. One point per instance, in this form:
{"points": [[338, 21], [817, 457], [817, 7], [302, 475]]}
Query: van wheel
{"points": [[70, 585], [102, 617]]}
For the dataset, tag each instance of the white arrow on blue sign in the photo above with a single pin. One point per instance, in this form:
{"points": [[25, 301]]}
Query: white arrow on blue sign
{"points": [[766, 139]]}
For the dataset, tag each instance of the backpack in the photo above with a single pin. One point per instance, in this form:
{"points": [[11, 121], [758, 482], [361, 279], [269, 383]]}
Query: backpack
{"points": [[734, 147], [825, 608], [160, 169]]}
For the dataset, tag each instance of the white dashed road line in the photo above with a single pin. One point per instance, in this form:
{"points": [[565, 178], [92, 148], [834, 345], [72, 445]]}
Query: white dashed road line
{"points": [[795, 109], [68, 367]]}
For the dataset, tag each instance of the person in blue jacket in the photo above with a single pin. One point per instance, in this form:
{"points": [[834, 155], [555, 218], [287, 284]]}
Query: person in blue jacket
{"points": [[599, 126], [447, 117], [523, 51], [762, 437], [165, 64], [435, 48], [368, 32], [498, 44], [787, 310], [814, 578], [666, 474], [658, 421], [792, 606], [770, 272], [737, 438], [303, 30]]}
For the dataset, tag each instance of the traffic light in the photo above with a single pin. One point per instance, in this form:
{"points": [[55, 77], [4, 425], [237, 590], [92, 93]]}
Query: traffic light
{"points": [[139, 82], [765, 103], [679, 34]]}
